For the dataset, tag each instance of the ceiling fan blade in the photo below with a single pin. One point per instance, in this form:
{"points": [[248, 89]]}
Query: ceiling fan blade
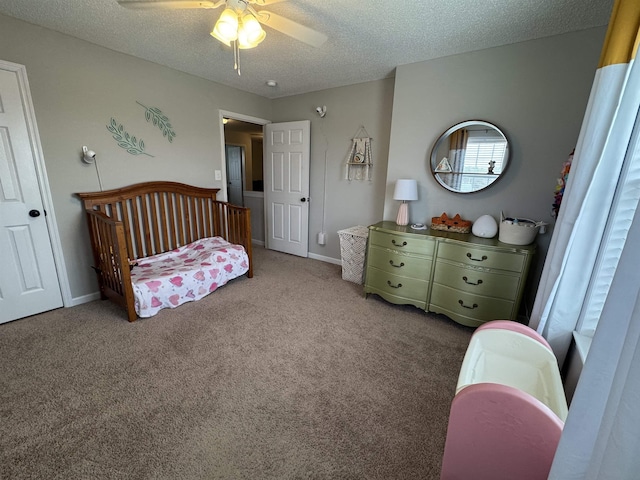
{"points": [[265, 2], [168, 4], [291, 28]]}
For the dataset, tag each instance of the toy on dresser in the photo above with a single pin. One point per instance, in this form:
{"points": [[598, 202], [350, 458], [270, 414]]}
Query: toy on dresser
{"points": [[455, 224]]}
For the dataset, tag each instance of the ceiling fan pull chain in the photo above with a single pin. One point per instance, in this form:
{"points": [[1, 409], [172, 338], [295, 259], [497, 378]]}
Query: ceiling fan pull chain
{"points": [[236, 57]]}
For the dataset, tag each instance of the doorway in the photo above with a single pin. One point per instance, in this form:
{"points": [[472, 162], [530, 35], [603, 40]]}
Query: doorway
{"points": [[246, 133], [279, 204], [248, 137]]}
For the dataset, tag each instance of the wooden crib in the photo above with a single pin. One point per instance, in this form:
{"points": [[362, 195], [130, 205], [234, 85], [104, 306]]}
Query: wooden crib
{"points": [[131, 223]]}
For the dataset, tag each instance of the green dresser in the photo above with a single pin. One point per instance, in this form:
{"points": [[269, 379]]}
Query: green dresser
{"points": [[470, 279]]}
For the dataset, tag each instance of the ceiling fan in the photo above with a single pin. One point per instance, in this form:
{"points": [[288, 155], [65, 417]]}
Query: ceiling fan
{"points": [[239, 15]]}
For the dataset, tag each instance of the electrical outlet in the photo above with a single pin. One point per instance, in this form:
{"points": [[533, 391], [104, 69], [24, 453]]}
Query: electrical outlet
{"points": [[218, 174], [321, 238]]}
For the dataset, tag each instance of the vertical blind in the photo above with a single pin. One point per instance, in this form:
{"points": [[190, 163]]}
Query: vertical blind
{"points": [[623, 208]]}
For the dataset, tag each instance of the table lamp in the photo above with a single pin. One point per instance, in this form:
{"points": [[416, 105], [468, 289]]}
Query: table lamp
{"points": [[406, 189]]}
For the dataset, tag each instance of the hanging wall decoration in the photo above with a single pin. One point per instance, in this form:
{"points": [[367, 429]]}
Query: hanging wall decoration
{"points": [[160, 120], [359, 159], [130, 143]]}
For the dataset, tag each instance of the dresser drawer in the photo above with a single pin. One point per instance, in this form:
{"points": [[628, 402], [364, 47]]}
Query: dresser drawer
{"points": [[397, 285], [402, 243], [481, 257], [477, 281], [483, 309], [399, 264]]}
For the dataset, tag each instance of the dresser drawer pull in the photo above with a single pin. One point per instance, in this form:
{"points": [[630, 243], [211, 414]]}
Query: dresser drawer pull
{"points": [[475, 305], [466, 280], [393, 240], [394, 265], [484, 257], [393, 286]]}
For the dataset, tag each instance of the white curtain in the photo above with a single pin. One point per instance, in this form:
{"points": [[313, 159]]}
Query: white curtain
{"points": [[599, 239], [583, 255], [601, 437]]}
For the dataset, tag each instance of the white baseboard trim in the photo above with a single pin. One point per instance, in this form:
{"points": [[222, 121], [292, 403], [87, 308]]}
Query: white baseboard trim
{"points": [[85, 299], [322, 258], [257, 242]]}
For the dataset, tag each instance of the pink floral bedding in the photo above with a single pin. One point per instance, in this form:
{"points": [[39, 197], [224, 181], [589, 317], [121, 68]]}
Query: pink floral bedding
{"points": [[186, 274]]}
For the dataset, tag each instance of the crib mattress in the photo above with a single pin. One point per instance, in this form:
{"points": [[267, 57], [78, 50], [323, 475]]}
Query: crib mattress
{"points": [[185, 274]]}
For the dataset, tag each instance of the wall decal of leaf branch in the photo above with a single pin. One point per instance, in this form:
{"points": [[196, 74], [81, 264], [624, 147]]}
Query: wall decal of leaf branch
{"points": [[130, 143], [160, 120]]}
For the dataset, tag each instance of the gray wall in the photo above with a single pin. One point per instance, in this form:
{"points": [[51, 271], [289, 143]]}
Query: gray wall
{"points": [[347, 203], [77, 87], [535, 91]]}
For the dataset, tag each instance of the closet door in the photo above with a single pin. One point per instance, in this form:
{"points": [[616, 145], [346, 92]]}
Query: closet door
{"points": [[28, 276]]}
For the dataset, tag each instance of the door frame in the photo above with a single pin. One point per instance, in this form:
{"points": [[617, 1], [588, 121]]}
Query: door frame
{"points": [[43, 181]]}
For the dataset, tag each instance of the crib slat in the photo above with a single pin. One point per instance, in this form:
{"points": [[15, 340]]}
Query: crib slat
{"points": [[201, 206], [180, 216], [135, 227], [173, 234], [163, 222], [189, 218], [155, 223], [145, 224], [124, 211], [216, 219]]}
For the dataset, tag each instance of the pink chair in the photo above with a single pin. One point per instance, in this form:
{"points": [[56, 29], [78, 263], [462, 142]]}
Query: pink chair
{"points": [[509, 409]]}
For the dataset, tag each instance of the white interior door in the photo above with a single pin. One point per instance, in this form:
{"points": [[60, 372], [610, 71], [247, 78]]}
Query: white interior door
{"points": [[233, 159], [286, 186], [28, 277]]}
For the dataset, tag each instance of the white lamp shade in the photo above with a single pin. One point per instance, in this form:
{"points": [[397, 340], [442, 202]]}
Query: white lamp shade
{"points": [[226, 28], [406, 189], [250, 33]]}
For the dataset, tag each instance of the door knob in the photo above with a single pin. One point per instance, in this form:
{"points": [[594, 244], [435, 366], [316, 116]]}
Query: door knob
{"points": [[34, 213], [303, 199]]}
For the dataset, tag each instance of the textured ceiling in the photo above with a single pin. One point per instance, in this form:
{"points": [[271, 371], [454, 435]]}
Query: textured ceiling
{"points": [[367, 38]]}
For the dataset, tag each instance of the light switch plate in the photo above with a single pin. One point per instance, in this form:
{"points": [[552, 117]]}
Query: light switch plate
{"points": [[218, 174]]}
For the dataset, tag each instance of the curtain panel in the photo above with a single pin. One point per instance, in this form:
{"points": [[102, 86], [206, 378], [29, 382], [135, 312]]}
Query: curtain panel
{"points": [[576, 278], [600, 438]]}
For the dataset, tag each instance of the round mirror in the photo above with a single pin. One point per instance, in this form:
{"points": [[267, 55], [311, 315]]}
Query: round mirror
{"points": [[470, 156]]}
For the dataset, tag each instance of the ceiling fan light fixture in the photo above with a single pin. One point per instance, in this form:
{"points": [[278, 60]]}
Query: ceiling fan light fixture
{"points": [[226, 28], [250, 33]]}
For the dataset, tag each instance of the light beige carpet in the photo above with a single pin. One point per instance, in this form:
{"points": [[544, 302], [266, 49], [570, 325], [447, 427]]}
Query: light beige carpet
{"points": [[290, 375]]}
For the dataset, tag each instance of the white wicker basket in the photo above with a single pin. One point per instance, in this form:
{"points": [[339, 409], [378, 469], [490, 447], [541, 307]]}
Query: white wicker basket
{"points": [[353, 243], [518, 231]]}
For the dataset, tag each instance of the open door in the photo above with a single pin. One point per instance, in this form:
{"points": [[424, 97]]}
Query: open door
{"points": [[286, 186], [28, 276]]}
